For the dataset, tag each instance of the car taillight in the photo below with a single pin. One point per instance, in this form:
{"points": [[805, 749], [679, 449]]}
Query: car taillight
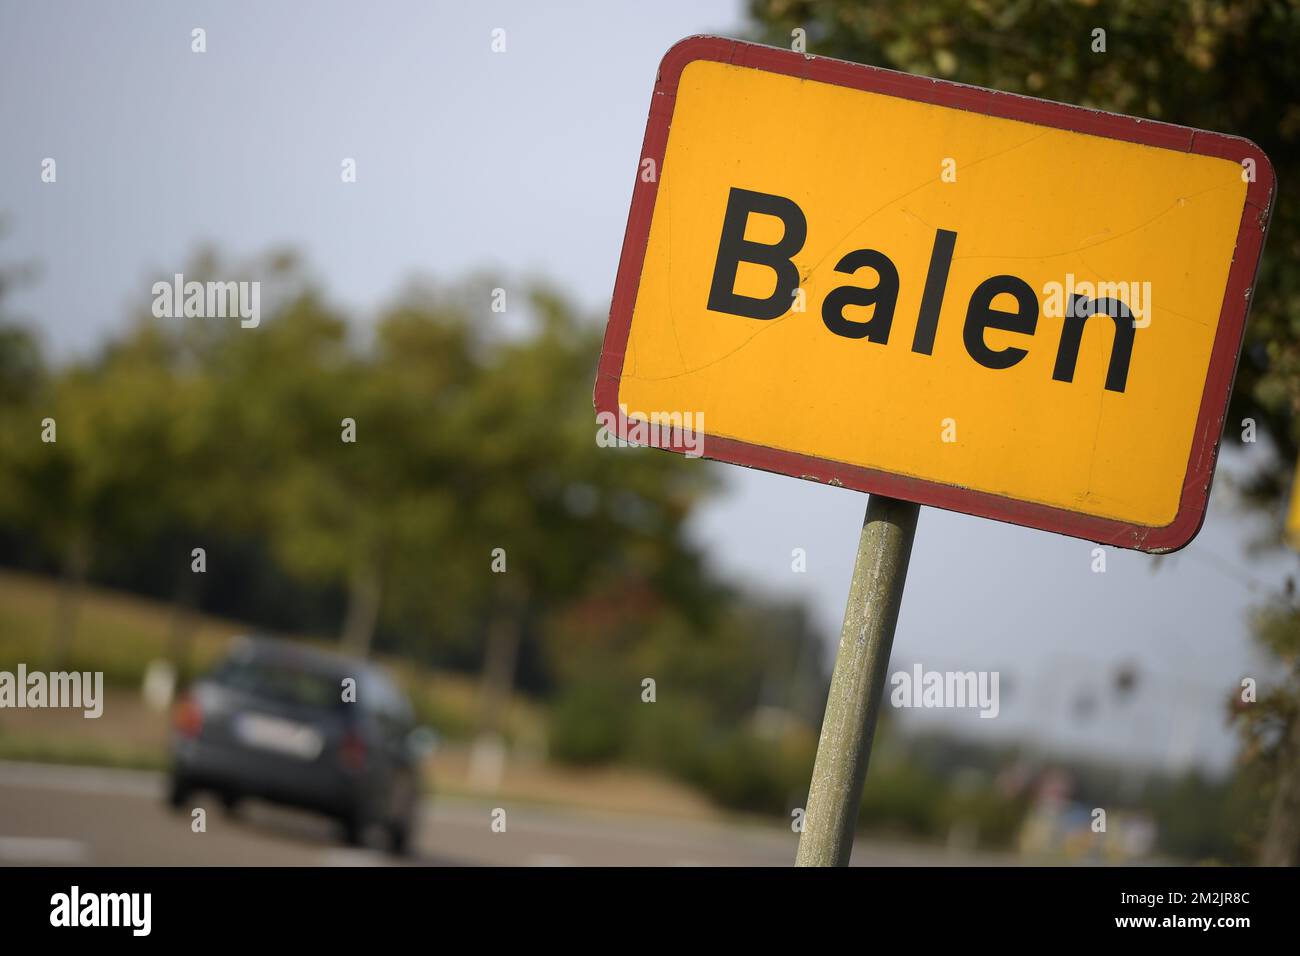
{"points": [[188, 718], [352, 751]]}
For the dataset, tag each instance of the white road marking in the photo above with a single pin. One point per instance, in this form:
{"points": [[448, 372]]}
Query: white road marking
{"points": [[351, 857], [459, 818], [96, 780], [42, 850], [150, 784]]}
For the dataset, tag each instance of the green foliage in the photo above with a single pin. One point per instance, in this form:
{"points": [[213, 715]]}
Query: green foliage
{"points": [[736, 699], [1208, 820], [1264, 724], [468, 438], [738, 766], [743, 771], [589, 724], [903, 798], [735, 765]]}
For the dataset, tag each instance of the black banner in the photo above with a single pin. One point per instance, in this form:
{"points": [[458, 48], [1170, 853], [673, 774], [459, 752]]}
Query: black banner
{"points": [[332, 905]]}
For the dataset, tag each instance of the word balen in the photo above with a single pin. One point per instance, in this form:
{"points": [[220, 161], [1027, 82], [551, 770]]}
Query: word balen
{"points": [[734, 248]]}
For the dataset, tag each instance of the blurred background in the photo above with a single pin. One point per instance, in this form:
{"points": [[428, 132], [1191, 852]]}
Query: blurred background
{"points": [[450, 300]]}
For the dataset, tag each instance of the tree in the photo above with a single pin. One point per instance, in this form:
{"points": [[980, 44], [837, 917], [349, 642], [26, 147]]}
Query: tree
{"points": [[301, 462], [1269, 722], [546, 515], [76, 480]]}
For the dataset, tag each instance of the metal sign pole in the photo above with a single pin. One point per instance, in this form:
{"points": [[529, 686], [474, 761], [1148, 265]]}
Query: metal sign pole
{"points": [[858, 683]]}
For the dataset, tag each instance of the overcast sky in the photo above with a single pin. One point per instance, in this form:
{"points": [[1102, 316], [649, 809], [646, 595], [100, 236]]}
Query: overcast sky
{"points": [[524, 162]]}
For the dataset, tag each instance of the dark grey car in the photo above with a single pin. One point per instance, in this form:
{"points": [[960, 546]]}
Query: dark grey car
{"points": [[271, 721]]}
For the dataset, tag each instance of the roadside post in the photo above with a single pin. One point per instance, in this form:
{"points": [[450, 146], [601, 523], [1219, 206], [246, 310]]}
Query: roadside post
{"points": [[936, 294], [858, 682]]}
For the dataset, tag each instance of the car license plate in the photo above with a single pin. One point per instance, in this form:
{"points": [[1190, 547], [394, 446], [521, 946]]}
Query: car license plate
{"points": [[282, 736]]}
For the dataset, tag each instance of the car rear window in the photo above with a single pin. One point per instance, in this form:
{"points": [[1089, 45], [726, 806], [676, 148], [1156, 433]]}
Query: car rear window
{"points": [[283, 683]]}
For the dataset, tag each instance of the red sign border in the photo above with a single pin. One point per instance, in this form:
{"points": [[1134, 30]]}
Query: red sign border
{"points": [[1223, 359]]}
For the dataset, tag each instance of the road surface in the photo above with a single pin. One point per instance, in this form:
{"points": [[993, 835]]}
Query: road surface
{"points": [[98, 817]]}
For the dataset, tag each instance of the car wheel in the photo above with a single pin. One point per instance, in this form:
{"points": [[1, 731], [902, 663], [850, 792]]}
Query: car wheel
{"points": [[399, 838], [178, 792], [355, 824], [230, 802]]}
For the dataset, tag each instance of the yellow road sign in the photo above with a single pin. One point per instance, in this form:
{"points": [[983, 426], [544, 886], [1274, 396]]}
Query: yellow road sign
{"points": [[979, 301]]}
